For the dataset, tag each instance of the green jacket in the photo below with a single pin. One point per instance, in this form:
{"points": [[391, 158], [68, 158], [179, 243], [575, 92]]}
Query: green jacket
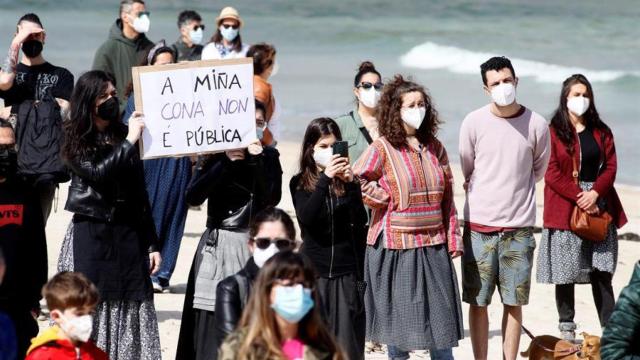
{"points": [[231, 345], [350, 125], [118, 54], [621, 337]]}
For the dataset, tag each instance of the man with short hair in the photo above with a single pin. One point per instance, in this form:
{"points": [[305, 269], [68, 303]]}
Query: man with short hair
{"points": [[33, 78], [23, 242], [126, 46], [189, 44], [504, 151]]}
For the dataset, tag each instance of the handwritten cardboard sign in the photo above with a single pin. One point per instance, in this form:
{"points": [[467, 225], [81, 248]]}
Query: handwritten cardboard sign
{"points": [[195, 107]]}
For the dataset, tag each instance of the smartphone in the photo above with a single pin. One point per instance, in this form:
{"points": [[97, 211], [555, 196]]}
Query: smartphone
{"points": [[341, 148]]}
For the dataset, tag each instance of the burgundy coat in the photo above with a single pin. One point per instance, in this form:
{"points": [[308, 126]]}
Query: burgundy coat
{"points": [[561, 192]]}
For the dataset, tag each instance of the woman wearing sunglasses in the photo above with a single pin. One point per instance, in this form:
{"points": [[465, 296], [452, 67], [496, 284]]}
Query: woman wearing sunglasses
{"points": [[272, 231], [226, 42], [360, 127], [331, 216], [282, 319]]}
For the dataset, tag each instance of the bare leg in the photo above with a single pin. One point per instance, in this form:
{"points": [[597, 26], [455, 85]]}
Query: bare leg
{"points": [[511, 322], [479, 329]]}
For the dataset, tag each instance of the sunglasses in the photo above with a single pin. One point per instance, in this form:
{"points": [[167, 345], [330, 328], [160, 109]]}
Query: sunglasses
{"points": [[367, 85], [226, 26], [196, 27], [281, 243], [141, 13]]}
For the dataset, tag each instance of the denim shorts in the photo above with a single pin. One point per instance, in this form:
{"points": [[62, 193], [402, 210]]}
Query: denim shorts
{"points": [[504, 259]]}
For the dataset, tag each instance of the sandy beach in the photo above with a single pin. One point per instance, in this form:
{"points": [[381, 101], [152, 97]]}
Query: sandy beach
{"points": [[540, 315]]}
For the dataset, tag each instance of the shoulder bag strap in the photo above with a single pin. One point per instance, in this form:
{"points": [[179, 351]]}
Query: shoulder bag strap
{"points": [[362, 129]]}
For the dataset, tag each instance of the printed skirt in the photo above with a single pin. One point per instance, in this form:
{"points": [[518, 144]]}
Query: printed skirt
{"points": [[564, 258], [125, 330]]}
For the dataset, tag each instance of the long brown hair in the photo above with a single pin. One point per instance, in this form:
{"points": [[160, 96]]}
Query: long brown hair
{"points": [[309, 173], [561, 121], [259, 320], [391, 124]]}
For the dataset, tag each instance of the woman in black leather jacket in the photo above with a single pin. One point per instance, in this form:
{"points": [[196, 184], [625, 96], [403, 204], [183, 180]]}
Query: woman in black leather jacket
{"points": [[271, 231], [112, 235], [237, 184]]}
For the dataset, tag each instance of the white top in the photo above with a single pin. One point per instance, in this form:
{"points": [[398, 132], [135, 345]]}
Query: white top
{"points": [[217, 51]]}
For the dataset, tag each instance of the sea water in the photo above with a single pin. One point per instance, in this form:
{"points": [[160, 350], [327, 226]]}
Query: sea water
{"points": [[438, 43]]}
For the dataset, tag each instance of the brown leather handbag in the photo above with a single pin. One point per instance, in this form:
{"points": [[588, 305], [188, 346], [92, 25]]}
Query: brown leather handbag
{"points": [[592, 227]]}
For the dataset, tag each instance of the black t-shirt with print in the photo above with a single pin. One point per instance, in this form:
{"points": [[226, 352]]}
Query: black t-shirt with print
{"points": [[34, 82]]}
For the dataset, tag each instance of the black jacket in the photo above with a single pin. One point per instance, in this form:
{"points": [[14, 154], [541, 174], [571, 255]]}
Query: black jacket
{"points": [[231, 300], [229, 185], [23, 243], [333, 228], [110, 187]]}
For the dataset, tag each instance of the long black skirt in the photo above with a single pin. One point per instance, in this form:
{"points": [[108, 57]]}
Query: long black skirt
{"points": [[343, 308]]}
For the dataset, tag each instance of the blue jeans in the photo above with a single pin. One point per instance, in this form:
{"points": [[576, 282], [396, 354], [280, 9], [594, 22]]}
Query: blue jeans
{"points": [[395, 353]]}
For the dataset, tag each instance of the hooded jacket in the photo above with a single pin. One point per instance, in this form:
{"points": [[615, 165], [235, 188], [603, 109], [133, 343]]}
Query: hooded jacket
{"points": [[51, 345], [118, 54]]}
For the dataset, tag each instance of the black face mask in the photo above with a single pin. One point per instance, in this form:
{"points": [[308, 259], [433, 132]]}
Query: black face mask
{"points": [[8, 162], [109, 110], [32, 48]]}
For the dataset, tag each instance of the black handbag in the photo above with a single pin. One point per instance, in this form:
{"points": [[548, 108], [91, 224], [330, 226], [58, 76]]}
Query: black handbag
{"points": [[241, 218]]}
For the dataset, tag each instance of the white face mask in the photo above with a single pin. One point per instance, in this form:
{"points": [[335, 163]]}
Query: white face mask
{"points": [[275, 69], [578, 105], [78, 328], [370, 97], [322, 157], [413, 116], [504, 94], [196, 36], [141, 24], [261, 256], [228, 34]]}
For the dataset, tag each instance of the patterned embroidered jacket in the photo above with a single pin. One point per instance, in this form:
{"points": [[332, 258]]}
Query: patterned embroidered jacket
{"points": [[410, 194]]}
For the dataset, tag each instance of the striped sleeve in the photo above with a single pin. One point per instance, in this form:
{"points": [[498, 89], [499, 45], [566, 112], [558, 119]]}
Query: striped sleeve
{"points": [[449, 212], [368, 169]]}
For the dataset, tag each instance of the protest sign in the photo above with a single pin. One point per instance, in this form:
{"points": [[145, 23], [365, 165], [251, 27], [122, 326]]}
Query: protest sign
{"points": [[195, 107]]}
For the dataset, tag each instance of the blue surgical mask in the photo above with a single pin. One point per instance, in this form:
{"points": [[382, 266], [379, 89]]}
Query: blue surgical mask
{"points": [[196, 36], [292, 303], [228, 34], [260, 133]]}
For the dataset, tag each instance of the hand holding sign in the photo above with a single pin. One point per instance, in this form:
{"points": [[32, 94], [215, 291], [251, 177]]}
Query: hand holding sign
{"points": [[136, 125], [235, 155]]}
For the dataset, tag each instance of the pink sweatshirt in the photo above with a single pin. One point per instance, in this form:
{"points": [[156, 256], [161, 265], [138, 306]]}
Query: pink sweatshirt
{"points": [[502, 159]]}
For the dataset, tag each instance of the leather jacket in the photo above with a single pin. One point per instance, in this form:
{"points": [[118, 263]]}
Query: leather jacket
{"points": [[109, 186], [232, 294]]}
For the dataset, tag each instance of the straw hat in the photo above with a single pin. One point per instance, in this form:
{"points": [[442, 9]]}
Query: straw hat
{"points": [[229, 13]]}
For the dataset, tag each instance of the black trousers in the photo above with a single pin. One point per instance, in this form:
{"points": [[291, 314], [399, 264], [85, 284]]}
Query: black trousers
{"points": [[602, 296]]}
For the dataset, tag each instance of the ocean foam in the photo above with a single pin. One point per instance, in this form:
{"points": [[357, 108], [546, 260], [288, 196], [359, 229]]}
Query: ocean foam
{"points": [[433, 56]]}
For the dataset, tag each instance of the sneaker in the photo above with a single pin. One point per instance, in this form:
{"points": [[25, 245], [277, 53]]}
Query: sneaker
{"points": [[568, 331], [160, 285]]}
